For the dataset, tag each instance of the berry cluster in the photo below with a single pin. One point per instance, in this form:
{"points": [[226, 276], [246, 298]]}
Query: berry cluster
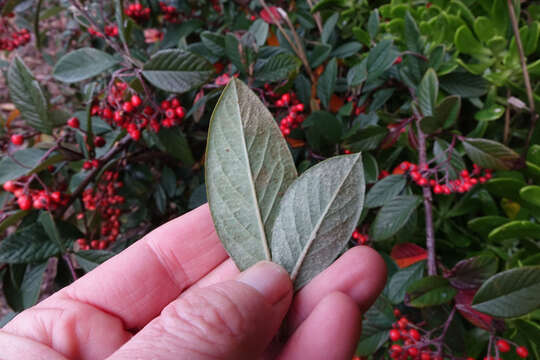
{"points": [[133, 116], [504, 347], [110, 30], [407, 341], [10, 37], [294, 118], [32, 198], [137, 12], [357, 109], [106, 202], [360, 238], [423, 177], [170, 13]]}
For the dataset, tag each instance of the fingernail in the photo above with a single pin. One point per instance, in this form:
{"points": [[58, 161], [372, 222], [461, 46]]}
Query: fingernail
{"points": [[269, 279]]}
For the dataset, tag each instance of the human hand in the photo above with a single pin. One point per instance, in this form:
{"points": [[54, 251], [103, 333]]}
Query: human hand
{"points": [[176, 294]]}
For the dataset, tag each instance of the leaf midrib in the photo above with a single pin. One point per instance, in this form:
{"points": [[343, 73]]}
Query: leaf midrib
{"points": [[251, 183], [308, 245]]}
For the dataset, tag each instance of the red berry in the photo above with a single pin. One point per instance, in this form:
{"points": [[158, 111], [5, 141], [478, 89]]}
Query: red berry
{"points": [[99, 141], [397, 313], [165, 105], [56, 196], [17, 139], [425, 356], [9, 186], [170, 113], [81, 241], [73, 122], [464, 173], [180, 112], [422, 182], [396, 349], [522, 352], [415, 334], [175, 103], [403, 322], [107, 113], [94, 244], [87, 165], [503, 345], [413, 351], [394, 335], [127, 107], [398, 60], [24, 202], [136, 101], [437, 189], [286, 98]]}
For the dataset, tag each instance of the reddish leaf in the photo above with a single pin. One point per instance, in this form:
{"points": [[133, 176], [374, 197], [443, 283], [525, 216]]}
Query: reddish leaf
{"points": [[463, 301], [407, 254], [268, 16]]}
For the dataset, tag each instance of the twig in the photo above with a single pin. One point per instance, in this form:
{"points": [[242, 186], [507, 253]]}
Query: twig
{"points": [[69, 262], [526, 78], [117, 147], [316, 16]]}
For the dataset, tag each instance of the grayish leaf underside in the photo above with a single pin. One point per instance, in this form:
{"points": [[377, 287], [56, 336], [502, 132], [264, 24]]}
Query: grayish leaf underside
{"points": [[248, 169], [317, 216]]}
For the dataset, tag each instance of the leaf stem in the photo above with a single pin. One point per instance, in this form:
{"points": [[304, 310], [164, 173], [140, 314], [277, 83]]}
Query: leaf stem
{"points": [[526, 78], [69, 262]]}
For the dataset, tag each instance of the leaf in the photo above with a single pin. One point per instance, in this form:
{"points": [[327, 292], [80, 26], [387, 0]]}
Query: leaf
{"points": [[329, 27], [393, 216], [248, 168], [28, 97], [490, 154], [452, 163], [278, 68], [466, 42], [22, 292], [25, 162], [90, 259], [326, 124], [427, 93], [27, 245], [400, 281], [373, 24], [346, 50], [407, 254], [174, 142], [471, 273], [489, 114], [316, 216], [377, 322], [530, 194], [517, 229], [446, 114], [177, 70], [385, 190], [484, 225], [327, 83], [259, 29], [506, 187], [357, 74], [320, 53], [511, 293], [83, 64], [464, 84], [46, 220], [380, 59], [430, 291]]}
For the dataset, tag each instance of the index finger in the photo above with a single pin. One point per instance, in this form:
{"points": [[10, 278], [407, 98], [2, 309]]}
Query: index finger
{"points": [[138, 283]]}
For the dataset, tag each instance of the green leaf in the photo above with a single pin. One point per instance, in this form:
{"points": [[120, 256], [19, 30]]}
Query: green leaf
{"points": [[174, 142], [357, 74], [248, 167], [278, 68], [533, 155], [490, 154], [12, 219], [466, 42], [214, 42], [484, 225], [28, 97], [371, 168], [326, 124], [400, 281], [412, 34], [373, 24], [380, 59], [506, 187], [46, 220], [446, 114], [259, 29], [177, 70], [393, 216], [441, 153], [430, 291], [385, 190], [329, 27], [530, 194], [327, 82], [83, 64], [511, 293], [518, 229], [316, 216], [489, 114], [473, 272], [320, 53], [484, 29], [377, 322], [427, 93], [27, 245], [22, 291], [25, 162], [329, 5], [348, 49], [90, 259], [464, 84]]}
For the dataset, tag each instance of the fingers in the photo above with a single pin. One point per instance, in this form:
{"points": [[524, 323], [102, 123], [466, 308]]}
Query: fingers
{"points": [[236, 319], [15, 347], [138, 283], [360, 273], [331, 331]]}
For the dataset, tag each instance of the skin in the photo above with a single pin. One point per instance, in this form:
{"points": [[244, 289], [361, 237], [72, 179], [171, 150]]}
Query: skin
{"points": [[176, 294]]}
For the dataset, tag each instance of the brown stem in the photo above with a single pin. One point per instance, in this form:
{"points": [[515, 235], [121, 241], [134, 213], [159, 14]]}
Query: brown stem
{"points": [[506, 136], [69, 262], [426, 193], [526, 78], [116, 148], [316, 16]]}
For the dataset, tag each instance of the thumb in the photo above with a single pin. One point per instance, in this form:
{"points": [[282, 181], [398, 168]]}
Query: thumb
{"points": [[236, 319]]}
